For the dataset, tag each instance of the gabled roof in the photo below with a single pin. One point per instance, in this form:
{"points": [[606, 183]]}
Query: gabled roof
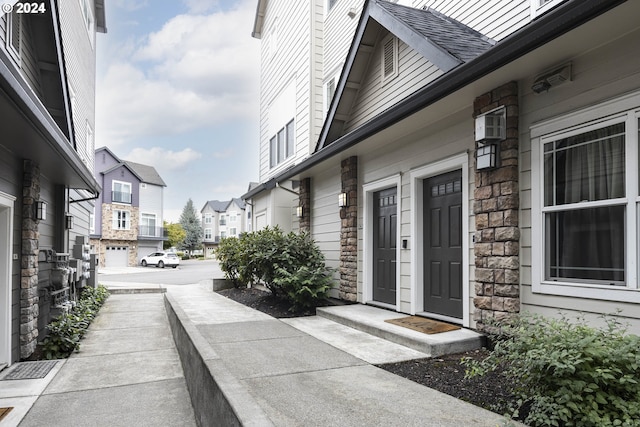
{"points": [[216, 205], [122, 165], [239, 202], [443, 41], [147, 174]]}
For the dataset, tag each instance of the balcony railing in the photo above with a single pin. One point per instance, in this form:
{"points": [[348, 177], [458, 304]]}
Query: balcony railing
{"points": [[149, 232], [120, 197]]}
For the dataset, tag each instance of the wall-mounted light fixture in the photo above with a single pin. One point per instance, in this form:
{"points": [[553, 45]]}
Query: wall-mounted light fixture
{"points": [[554, 77], [491, 127], [486, 157], [299, 211], [342, 200], [68, 221], [41, 210]]}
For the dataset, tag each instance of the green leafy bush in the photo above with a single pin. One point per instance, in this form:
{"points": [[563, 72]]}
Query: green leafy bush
{"points": [[290, 265], [66, 331], [568, 374]]}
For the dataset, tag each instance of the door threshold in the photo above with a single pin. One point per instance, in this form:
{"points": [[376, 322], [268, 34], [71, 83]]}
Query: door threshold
{"points": [[448, 319], [382, 305]]}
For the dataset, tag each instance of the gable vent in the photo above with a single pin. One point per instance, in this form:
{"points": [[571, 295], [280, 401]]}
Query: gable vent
{"points": [[389, 58]]}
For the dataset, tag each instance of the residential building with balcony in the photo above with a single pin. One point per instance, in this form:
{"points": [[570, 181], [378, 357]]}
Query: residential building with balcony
{"points": [[127, 222], [220, 220], [47, 187]]}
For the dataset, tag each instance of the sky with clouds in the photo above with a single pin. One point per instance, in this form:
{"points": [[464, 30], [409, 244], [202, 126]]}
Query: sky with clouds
{"points": [[178, 89]]}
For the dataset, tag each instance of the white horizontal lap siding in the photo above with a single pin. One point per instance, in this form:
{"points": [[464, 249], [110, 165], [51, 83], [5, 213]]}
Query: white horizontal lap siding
{"points": [[290, 63], [81, 72], [325, 214], [604, 73], [373, 98], [494, 19], [151, 201], [339, 30]]}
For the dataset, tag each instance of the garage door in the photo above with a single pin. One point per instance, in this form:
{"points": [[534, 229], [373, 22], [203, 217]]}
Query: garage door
{"points": [[144, 250], [117, 256]]}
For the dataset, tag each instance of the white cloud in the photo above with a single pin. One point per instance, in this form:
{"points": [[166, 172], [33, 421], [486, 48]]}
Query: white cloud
{"points": [[162, 159], [200, 6], [196, 71], [223, 154]]}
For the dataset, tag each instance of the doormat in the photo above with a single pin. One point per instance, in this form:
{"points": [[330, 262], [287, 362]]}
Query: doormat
{"points": [[29, 370], [4, 412], [422, 324]]}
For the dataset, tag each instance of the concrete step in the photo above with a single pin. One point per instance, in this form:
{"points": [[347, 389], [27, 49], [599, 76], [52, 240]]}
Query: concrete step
{"points": [[371, 320]]}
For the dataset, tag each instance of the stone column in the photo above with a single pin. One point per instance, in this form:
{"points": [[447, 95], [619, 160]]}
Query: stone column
{"points": [[29, 310], [496, 204], [349, 231], [305, 202]]}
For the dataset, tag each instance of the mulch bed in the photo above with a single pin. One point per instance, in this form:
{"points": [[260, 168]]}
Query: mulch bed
{"points": [[444, 373]]}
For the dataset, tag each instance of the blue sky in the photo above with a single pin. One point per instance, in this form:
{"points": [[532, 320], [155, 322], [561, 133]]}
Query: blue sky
{"points": [[178, 88]]}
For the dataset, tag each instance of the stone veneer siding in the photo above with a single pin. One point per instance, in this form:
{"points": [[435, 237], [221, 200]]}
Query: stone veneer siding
{"points": [[111, 237], [29, 310], [349, 231], [305, 202], [496, 204]]}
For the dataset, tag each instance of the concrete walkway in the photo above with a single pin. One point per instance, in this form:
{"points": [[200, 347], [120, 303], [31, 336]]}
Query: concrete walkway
{"points": [[127, 373], [231, 366]]}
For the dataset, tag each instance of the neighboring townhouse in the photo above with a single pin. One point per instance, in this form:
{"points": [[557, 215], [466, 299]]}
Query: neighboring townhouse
{"points": [[220, 220], [480, 159], [128, 220], [47, 187]]}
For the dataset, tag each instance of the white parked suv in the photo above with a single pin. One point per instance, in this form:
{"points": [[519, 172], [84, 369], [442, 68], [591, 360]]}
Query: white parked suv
{"points": [[161, 259]]}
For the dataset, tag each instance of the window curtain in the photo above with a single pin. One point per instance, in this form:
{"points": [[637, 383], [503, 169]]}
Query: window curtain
{"points": [[587, 243]]}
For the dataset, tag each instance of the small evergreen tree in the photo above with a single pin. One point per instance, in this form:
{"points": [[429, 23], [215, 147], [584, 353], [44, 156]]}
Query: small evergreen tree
{"points": [[191, 225]]}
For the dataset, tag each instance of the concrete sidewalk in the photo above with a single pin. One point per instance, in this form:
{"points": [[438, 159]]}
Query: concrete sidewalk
{"points": [[231, 366], [246, 368], [127, 373]]}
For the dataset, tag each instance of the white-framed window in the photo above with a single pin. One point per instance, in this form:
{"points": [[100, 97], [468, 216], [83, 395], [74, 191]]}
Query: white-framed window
{"points": [[121, 220], [89, 138], [282, 144], [232, 231], [208, 234], [389, 58], [120, 192], [223, 219], [223, 234], [538, 7], [328, 92], [330, 4], [148, 225], [89, 20], [14, 35], [586, 203], [232, 217], [92, 221], [208, 218]]}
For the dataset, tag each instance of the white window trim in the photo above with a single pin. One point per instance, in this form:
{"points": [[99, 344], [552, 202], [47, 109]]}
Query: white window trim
{"points": [[7, 201], [289, 157], [367, 238], [628, 108], [417, 177], [538, 7], [210, 233], [15, 54], [123, 183], [114, 220], [326, 100], [89, 21], [208, 218]]}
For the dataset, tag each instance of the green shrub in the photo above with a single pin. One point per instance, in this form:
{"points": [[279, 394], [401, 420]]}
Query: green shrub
{"points": [[290, 265], [569, 374], [66, 331]]}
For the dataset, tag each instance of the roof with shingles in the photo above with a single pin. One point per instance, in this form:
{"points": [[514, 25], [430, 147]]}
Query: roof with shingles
{"points": [[147, 174], [456, 38]]}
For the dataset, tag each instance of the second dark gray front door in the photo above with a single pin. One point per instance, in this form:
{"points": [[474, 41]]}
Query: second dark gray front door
{"points": [[384, 245], [443, 244]]}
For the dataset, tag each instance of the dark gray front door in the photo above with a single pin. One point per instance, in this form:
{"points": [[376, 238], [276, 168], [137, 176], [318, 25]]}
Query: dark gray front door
{"points": [[443, 244], [384, 245]]}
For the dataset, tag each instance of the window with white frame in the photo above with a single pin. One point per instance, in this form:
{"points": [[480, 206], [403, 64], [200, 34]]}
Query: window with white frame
{"points": [[232, 231], [208, 218], [232, 217], [329, 91], [13, 34], [389, 58], [281, 145], [208, 235], [223, 234], [587, 208], [120, 192], [92, 221], [148, 225], [223, 220], [121, 220], [538, 7], [89, 138], [89, 19]]}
